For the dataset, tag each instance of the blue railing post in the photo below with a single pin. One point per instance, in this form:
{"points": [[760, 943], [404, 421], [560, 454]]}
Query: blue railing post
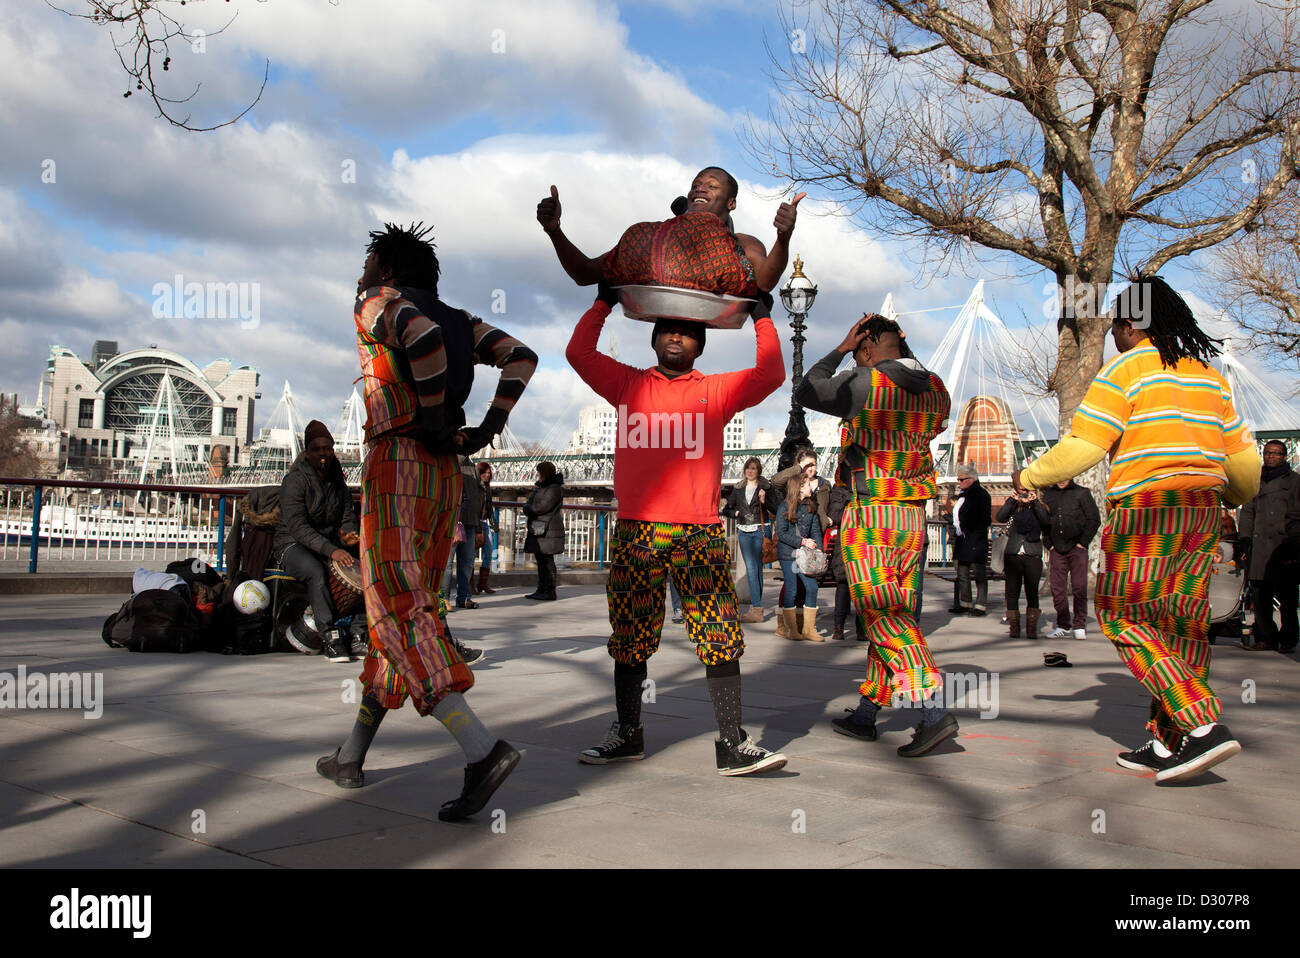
{"points": [[221, 534], [600, 539], [36, 527]]}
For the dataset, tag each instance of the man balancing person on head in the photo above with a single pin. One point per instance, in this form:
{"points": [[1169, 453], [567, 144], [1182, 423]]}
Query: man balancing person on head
{"points": [[417, 357], [893, 408], [1179, 452], [668, 461]]}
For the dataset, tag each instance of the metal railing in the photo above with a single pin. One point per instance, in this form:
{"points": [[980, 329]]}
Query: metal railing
{"points": [[154, 524]]}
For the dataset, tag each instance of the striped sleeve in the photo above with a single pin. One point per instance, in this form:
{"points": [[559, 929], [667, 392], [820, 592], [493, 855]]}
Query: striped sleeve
{"points": [[1236, 436], [396, 322], [1106, 407], [493, 347]]}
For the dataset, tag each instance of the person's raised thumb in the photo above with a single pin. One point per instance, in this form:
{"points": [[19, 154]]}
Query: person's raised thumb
{"points": [[555, 194]]}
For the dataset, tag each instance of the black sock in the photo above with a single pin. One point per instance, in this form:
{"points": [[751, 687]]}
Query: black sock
{"points": [[628, 685], [724, 690], [369, 716]]}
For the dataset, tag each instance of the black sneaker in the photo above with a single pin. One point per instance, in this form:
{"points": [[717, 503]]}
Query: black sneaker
{"points": [[846, 726], [348, 775], [622, 744], [977, 612], [360, 646], [746, 758], [469, 655], [1196, 755], [1142, 759], [959, 610], [482, 778], [679, 618], [334, 647], [929, 737]]}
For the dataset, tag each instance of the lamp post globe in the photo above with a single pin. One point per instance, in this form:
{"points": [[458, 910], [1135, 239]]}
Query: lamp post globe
{"points": [[797, 297]]}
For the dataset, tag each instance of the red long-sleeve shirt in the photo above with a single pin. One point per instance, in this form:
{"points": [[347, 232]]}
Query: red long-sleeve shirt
{"points": [[668, 457]]}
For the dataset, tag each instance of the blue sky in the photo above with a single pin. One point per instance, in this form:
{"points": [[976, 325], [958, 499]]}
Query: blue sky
{"points": [[617, 104]]}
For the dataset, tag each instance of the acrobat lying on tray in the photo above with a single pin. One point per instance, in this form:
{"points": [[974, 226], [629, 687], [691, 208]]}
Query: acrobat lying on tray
{"points": [[696, 250]]}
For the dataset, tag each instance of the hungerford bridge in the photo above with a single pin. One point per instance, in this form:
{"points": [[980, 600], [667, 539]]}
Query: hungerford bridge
{"points": [[997, 423]]}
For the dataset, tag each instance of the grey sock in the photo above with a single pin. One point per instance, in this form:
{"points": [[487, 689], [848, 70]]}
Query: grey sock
{"points": [[628, 685], [932, 714], [471, 735], [369, 716], [866, 712], [724, 690]]}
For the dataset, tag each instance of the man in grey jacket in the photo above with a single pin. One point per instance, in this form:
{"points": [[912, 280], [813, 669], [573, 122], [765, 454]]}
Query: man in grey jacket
{"points": [[1271, 553]]}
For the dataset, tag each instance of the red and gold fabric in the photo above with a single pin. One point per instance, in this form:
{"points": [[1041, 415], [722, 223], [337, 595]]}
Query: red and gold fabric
{"points": [[409, 502], [1152, 601]]}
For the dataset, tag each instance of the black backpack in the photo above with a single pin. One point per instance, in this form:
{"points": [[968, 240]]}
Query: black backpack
{"points": [[238, 633], [155, 620]]}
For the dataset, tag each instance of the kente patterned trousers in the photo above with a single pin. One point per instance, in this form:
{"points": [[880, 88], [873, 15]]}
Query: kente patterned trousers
{"points": [[409, 501], [645, 554], [883, 543], [1152, 601]]}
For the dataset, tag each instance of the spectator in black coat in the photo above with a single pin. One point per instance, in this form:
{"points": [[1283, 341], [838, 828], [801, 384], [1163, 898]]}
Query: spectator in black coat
{"points": [[487, 528], [545, 538], [1022, 562], [839, 500], [469, 526], [972, 514], [318, 523], [1271, 552], [1075, 519]]}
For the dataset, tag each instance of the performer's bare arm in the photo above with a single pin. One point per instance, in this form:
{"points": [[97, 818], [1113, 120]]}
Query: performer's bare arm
{"points": [[770, 264], [582, 269]]}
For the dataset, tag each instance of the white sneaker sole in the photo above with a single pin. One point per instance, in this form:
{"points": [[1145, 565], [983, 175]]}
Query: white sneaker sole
{"points": [[1202, 763], [1134, 766], [587, 759], [769, 763]]}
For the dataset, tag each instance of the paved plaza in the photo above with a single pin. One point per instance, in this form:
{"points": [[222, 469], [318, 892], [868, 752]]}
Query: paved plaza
{"points": [[208, 761]]}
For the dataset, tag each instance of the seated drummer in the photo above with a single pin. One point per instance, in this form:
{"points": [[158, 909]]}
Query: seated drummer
{"points": [[317, 523], [714, 190]]}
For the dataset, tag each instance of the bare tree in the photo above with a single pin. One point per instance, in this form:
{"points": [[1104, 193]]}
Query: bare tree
{"points": [[1257, 275], [17, 458], [144, 50], [1088, 137]]}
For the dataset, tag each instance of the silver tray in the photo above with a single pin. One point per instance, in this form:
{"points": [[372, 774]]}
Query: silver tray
{"points": [[718, 310]]}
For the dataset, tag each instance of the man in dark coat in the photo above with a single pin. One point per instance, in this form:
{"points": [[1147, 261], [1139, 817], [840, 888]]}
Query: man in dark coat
{"points": [[471, 508], [1271, 553], [1075, 519], [545, 538], [971, 516], [318, 524]]}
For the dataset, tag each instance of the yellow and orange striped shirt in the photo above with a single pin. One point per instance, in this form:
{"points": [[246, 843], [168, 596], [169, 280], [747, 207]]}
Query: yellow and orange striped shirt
{"points": [[1166, 428]]}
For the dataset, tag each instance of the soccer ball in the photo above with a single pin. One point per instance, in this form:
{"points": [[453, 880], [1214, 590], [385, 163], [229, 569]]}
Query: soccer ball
{"points": [[252, 596]]}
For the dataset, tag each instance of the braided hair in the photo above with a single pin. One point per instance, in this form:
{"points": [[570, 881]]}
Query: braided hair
{"points": [[408, 253], [1151, 304], [874, 325]]}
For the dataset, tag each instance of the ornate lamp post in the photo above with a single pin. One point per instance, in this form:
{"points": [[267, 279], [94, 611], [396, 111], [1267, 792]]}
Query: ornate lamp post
{"points": [[797, 297]]}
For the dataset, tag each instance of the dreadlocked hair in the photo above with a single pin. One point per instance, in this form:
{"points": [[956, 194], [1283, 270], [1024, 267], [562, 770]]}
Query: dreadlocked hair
{"points": [[1150, 303], [408, 253], [875, 324]]}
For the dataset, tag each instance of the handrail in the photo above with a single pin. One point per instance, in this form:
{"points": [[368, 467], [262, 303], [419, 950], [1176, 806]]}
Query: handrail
{"points": [[122, 486]]}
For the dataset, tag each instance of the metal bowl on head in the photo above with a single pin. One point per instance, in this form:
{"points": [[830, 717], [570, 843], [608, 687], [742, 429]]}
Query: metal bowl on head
{"points": [[718, 310]]}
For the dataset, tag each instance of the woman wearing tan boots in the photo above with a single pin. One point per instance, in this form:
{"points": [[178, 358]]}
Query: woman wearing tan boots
{"points": [[798, 524]]}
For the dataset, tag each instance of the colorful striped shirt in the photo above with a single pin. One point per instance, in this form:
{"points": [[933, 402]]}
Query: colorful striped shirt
{"points": [[405, 357], [1166, 428]]}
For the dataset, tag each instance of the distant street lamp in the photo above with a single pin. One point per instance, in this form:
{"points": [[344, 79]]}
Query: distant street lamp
{"points": [[797, 297]]}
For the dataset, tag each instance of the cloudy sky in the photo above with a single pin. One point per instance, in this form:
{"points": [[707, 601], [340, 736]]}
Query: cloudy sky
{"points": [[459, 113]]}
